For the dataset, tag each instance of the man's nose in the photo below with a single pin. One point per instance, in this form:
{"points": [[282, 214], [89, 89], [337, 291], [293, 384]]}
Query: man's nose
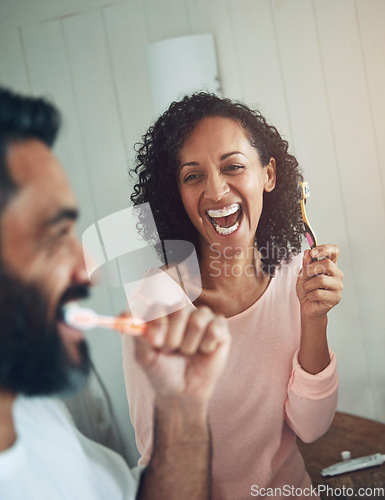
{"points": [[79, 272], [216, 187]]}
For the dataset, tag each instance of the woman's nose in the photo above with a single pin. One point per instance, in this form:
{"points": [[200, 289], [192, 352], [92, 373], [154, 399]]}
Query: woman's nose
{"points": [[216, 187]]}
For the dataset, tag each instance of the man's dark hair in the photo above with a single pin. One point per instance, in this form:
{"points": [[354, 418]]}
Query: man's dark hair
{"points": [[23, 118]]}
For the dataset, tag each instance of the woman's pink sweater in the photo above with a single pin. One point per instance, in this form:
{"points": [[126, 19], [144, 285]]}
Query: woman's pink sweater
{"points": [[262, 401]]}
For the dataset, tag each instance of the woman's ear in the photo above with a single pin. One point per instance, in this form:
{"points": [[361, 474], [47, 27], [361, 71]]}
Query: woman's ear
{"points": [[270, 178]]}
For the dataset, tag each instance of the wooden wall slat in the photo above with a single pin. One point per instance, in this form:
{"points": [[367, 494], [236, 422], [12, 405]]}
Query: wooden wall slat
{"points": [[258, 61], [166, 19], [370, 19], [16, 13], [127, 39], [313, 134], [214, 15], [13, 70], [98, 111], [40, 42], [359, 166]]}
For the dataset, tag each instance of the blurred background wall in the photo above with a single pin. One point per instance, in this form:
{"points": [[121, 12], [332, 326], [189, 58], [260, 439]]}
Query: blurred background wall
{"points": [[315, 68]]}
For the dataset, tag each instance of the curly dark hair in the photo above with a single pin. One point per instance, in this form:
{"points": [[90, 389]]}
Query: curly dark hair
{"points": [[280, 230]]}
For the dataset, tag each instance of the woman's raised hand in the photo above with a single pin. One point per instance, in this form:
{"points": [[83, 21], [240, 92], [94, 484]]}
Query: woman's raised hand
{"points": [[319, 284]]}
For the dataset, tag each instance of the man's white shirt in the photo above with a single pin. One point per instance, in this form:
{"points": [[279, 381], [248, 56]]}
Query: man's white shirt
{"points": [[52, 460]]}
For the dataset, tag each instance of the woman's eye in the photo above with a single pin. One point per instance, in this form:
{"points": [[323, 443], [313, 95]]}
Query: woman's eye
{"points": [[190, 177], [234, 168]]}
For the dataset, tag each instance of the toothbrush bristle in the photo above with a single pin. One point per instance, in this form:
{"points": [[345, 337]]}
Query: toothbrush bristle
{"points": [[80, 317], [83, 318]]}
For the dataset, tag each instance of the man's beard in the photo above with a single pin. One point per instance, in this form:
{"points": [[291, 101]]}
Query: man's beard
{"points": [[33, 358]]}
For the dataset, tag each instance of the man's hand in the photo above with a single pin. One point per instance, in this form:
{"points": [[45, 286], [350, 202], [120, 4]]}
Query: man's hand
{"points": [[184, 353]]}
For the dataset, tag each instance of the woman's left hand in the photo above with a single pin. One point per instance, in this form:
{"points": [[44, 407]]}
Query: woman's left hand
{"points": [[319, 284]]}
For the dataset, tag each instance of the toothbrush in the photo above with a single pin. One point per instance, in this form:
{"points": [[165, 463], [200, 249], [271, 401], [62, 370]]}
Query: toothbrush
{"points": [[304, 193], [354, 464], [84, 318]]}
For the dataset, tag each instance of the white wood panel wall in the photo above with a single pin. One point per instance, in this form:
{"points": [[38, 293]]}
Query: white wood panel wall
{"points": [[315, 68]]}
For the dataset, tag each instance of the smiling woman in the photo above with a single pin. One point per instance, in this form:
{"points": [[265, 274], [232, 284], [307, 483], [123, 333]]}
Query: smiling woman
{"points": [[280, 228], [221, 190], [216, 174]]}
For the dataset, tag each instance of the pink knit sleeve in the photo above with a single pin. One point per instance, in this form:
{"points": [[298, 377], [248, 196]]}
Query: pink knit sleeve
{"points": [[140, 396], [312, 400]]}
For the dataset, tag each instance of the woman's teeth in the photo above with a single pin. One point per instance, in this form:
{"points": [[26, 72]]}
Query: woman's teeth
{"points": [[226, 220], [224, 212], [226, 230]]}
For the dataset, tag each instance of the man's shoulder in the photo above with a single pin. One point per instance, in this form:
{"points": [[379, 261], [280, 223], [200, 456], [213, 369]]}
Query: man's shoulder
{"points": [[49, 404], [41, 409], [47, 441]]}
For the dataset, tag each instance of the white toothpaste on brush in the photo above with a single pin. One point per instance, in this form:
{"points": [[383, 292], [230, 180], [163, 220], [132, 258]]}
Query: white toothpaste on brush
{"points": [[84, 318]]}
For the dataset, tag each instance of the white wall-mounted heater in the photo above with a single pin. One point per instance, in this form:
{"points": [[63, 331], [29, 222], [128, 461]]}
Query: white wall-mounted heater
{"points": [[179, 66]]}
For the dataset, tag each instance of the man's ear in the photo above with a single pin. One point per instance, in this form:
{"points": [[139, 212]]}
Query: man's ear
{"points": [[270, 174]]}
